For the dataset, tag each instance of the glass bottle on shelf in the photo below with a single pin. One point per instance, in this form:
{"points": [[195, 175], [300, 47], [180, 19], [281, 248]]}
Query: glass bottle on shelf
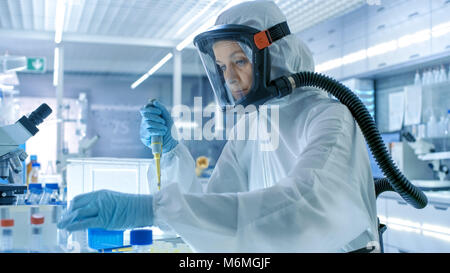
{"points": [[440, 132], [36, 167], [448, 71], [417, 79], [447, 131], [442, 74], [436, 75], [432, 126], [425, 77], [33, 159]]}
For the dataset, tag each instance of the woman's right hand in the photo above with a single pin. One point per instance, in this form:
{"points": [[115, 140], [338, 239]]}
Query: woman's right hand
{"points": [[157, 121]]}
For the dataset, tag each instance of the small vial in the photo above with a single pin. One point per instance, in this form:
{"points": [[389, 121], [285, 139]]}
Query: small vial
{"points": [[7, 242], [141, 240], [35, 193], [21, 199], [37, 223], [50, 196]]}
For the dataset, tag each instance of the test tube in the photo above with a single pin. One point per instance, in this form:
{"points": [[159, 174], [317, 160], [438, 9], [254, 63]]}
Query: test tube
{"points": [[37, 222], [7, 242], [7, 224]]}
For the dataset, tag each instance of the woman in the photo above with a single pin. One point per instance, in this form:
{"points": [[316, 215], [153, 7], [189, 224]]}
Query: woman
{"points": [[312, 193]]}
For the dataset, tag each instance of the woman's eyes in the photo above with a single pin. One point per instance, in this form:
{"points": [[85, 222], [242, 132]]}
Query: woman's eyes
{"points": [[240, 62]]}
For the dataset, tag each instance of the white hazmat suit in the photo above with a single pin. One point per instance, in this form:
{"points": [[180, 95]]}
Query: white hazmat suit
{"points": [[314, 193]]}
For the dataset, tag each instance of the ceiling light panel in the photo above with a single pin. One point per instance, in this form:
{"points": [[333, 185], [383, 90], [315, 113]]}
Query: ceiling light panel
{"points": [[302, 14], [15, 14], [93, 22], [26, 14], [157, 19], [49, 15], [38, 9]]}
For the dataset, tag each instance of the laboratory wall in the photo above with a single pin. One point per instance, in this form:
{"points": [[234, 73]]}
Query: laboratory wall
{"points": [[435, 98], [114, 108]]}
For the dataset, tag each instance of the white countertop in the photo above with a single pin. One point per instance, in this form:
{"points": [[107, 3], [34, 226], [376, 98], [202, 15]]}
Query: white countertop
{"points": [[109, 160], [433, 196]]}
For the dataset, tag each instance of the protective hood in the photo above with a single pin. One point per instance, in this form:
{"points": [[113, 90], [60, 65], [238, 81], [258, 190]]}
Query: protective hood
{"points": [[288, 55]]}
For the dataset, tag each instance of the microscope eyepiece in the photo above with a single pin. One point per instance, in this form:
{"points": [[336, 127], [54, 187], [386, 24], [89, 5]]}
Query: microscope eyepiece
{"points": [[38, 115]]}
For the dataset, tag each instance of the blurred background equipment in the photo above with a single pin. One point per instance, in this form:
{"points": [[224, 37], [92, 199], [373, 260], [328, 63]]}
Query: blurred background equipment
{"points": [[11, 136], [10, 63]]}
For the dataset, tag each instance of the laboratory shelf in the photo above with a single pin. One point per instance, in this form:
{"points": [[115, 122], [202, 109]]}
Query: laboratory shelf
{"points": [[435, 156]]}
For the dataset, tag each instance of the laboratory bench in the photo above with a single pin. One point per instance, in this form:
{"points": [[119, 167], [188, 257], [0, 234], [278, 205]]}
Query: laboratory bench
{"points": [[414, 230], [408, 229]]}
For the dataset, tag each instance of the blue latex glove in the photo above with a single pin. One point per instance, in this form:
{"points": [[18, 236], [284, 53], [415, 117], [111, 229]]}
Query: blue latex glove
{"points": [[157, 121], [108, 210]]}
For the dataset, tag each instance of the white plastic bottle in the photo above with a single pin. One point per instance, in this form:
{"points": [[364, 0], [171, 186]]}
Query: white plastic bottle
{"points": [[141, 240], [425, 77], [432, 127], [448, 71], [441, 126], [447, 132], [50, 169], [37, 223], [436, 75], [429, 76], [417, 79], [442, 74]]}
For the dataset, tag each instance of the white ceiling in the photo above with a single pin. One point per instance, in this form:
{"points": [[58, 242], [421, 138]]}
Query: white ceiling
{"points": [[130, 36]]}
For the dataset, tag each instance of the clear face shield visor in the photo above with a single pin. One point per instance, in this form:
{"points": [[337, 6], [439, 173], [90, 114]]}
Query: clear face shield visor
{"points": [[229, 65], [237, 61]]}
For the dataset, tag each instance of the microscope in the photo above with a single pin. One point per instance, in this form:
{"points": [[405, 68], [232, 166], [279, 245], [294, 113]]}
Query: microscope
{"points": [[11, 156], [424, 154]]}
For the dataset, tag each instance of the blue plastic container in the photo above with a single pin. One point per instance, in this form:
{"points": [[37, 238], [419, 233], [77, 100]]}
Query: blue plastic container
{"points": [[100, 238], [141, 237]]}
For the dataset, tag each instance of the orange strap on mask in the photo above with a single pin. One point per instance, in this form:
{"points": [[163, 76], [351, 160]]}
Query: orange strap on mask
{"points": [[266, 37]]}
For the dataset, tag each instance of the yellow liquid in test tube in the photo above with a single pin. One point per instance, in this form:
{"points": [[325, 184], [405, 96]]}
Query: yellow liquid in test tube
{"points": [[156, 145]]}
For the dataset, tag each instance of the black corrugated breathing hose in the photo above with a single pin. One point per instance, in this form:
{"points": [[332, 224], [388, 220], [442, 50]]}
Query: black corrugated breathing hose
{"points": [[395, 180], [382, 185]]}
